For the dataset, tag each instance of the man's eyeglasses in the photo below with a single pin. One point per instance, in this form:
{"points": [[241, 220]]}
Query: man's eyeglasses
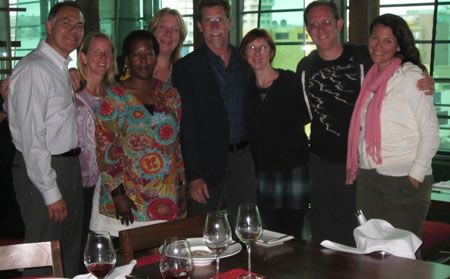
{"points": [[261, 49], [218, 20], [324, 23]]}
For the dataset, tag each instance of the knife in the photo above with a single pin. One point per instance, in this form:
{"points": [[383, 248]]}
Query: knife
{"points": [[275, 239]]}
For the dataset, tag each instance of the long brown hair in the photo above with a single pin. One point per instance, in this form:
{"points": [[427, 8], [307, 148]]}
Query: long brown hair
{"points": [[176, 54], [405, 39]]}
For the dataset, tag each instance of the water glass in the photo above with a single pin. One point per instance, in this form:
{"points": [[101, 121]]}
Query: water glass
{"points": [[217, 234], [248, 229]]}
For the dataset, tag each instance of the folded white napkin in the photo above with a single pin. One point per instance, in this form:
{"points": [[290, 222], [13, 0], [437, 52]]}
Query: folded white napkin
{"points": [[117, 273], [379, 235]]}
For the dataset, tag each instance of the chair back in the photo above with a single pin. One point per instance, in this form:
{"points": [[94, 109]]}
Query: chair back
{"points": [[436, 242], [27, 255], [152, 236]]}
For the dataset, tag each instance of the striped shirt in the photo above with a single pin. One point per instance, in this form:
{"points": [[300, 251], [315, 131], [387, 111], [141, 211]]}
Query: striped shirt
{"points": [[42, 115]]}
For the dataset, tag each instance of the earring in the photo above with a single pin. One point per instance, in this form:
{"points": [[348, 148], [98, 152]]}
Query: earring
{"points": [[126, 73]]}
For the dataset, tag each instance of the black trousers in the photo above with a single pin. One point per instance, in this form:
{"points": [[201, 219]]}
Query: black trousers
{"points": [[332, 203], [237, 187], [34, 212]]}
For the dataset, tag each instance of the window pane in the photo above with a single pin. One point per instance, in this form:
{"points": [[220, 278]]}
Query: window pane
{"points": [[29, 26], [251, 5], [287, 57], [442, 97], [390, 2], [267, 5], [107, 26], [184, 7], [419, 19], [441, 61], [284, 27], [249, 21], [186, 50], [443, 23], [425, 54], [189, 21]]}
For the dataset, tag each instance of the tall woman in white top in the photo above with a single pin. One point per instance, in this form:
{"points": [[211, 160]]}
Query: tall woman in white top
{"points": [[394, 132]]}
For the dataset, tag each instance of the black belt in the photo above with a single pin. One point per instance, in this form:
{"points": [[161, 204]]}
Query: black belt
{"points": [[71, 153], [238, 146]]}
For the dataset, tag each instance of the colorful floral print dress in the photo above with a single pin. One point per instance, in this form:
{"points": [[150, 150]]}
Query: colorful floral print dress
{"points": [[140, 150]]}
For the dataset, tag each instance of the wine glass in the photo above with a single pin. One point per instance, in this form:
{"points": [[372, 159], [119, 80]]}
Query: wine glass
{"points": [[217, 234], [99, 254], [248, 229], [176, 259]]}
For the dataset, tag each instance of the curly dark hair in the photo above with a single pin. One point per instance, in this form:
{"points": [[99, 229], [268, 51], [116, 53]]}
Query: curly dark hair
{"points": [[139, 35], [405, 39]]}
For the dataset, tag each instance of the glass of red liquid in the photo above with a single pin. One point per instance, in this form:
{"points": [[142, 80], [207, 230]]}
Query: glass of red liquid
{"points": [[99, 254], [176, 259]]}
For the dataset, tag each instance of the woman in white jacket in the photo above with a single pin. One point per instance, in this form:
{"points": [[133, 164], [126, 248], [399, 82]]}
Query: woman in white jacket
{"points": [[394, 131]]}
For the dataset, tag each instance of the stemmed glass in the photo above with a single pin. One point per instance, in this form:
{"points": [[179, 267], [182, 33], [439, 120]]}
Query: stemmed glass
{"points": [[176, 259], [248, 229], [217, 234], [99, 254]]}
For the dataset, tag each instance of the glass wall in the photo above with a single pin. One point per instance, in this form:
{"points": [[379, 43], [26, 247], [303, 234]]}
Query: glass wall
{"points": [[28, 26], [433, 42], [429, 21]]}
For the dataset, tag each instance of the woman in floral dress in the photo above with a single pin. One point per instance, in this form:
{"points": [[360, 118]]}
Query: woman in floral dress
{"points": [[138, 149]]}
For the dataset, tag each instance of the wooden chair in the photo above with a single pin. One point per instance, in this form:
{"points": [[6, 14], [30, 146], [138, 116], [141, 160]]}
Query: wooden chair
{"points": [[152, 236], [39, 254]]}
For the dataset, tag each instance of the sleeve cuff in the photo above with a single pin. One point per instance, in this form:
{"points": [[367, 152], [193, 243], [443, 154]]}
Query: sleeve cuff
{"points": [[418, 172], [51, 196]]}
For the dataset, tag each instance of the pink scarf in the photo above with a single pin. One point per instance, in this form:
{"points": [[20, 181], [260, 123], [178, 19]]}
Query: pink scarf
{"points": [[375, 82]]}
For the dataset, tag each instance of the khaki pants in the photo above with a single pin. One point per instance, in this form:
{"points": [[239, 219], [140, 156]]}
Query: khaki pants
{"points": [[394, 199]]}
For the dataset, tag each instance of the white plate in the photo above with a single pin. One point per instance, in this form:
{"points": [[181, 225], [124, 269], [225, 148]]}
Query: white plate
{"points": [[271, 238], [197, 244]]}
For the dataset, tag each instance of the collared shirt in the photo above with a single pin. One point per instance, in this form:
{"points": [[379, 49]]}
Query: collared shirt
{"points": [[232, 87], [42, 115]]}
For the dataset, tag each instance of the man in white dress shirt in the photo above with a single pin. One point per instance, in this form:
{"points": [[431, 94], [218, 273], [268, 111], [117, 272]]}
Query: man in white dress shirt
{"points": [[46, 168]]}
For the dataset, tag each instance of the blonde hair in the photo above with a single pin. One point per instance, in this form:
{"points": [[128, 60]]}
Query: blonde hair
{"points": [[176, 54], [108, 80]]}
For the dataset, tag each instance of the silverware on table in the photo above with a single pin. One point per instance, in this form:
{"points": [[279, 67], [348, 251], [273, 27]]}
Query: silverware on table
{"points": [[275, 239]]}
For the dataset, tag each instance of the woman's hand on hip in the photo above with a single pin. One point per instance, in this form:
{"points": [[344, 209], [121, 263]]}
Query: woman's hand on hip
{"points": [[414, 182]]}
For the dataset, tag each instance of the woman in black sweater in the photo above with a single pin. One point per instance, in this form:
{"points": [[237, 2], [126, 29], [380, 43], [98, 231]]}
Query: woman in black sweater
{"points": [[277, 116]]}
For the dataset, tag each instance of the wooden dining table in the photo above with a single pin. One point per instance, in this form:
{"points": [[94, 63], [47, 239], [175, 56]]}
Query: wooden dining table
{"points": [[306, 260]]}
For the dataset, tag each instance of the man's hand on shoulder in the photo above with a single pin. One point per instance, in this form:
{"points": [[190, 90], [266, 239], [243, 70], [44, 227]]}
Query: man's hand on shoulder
{"points": [[57, 211], [4, 88], [199, 190], [426, 84], [75, 77]]}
